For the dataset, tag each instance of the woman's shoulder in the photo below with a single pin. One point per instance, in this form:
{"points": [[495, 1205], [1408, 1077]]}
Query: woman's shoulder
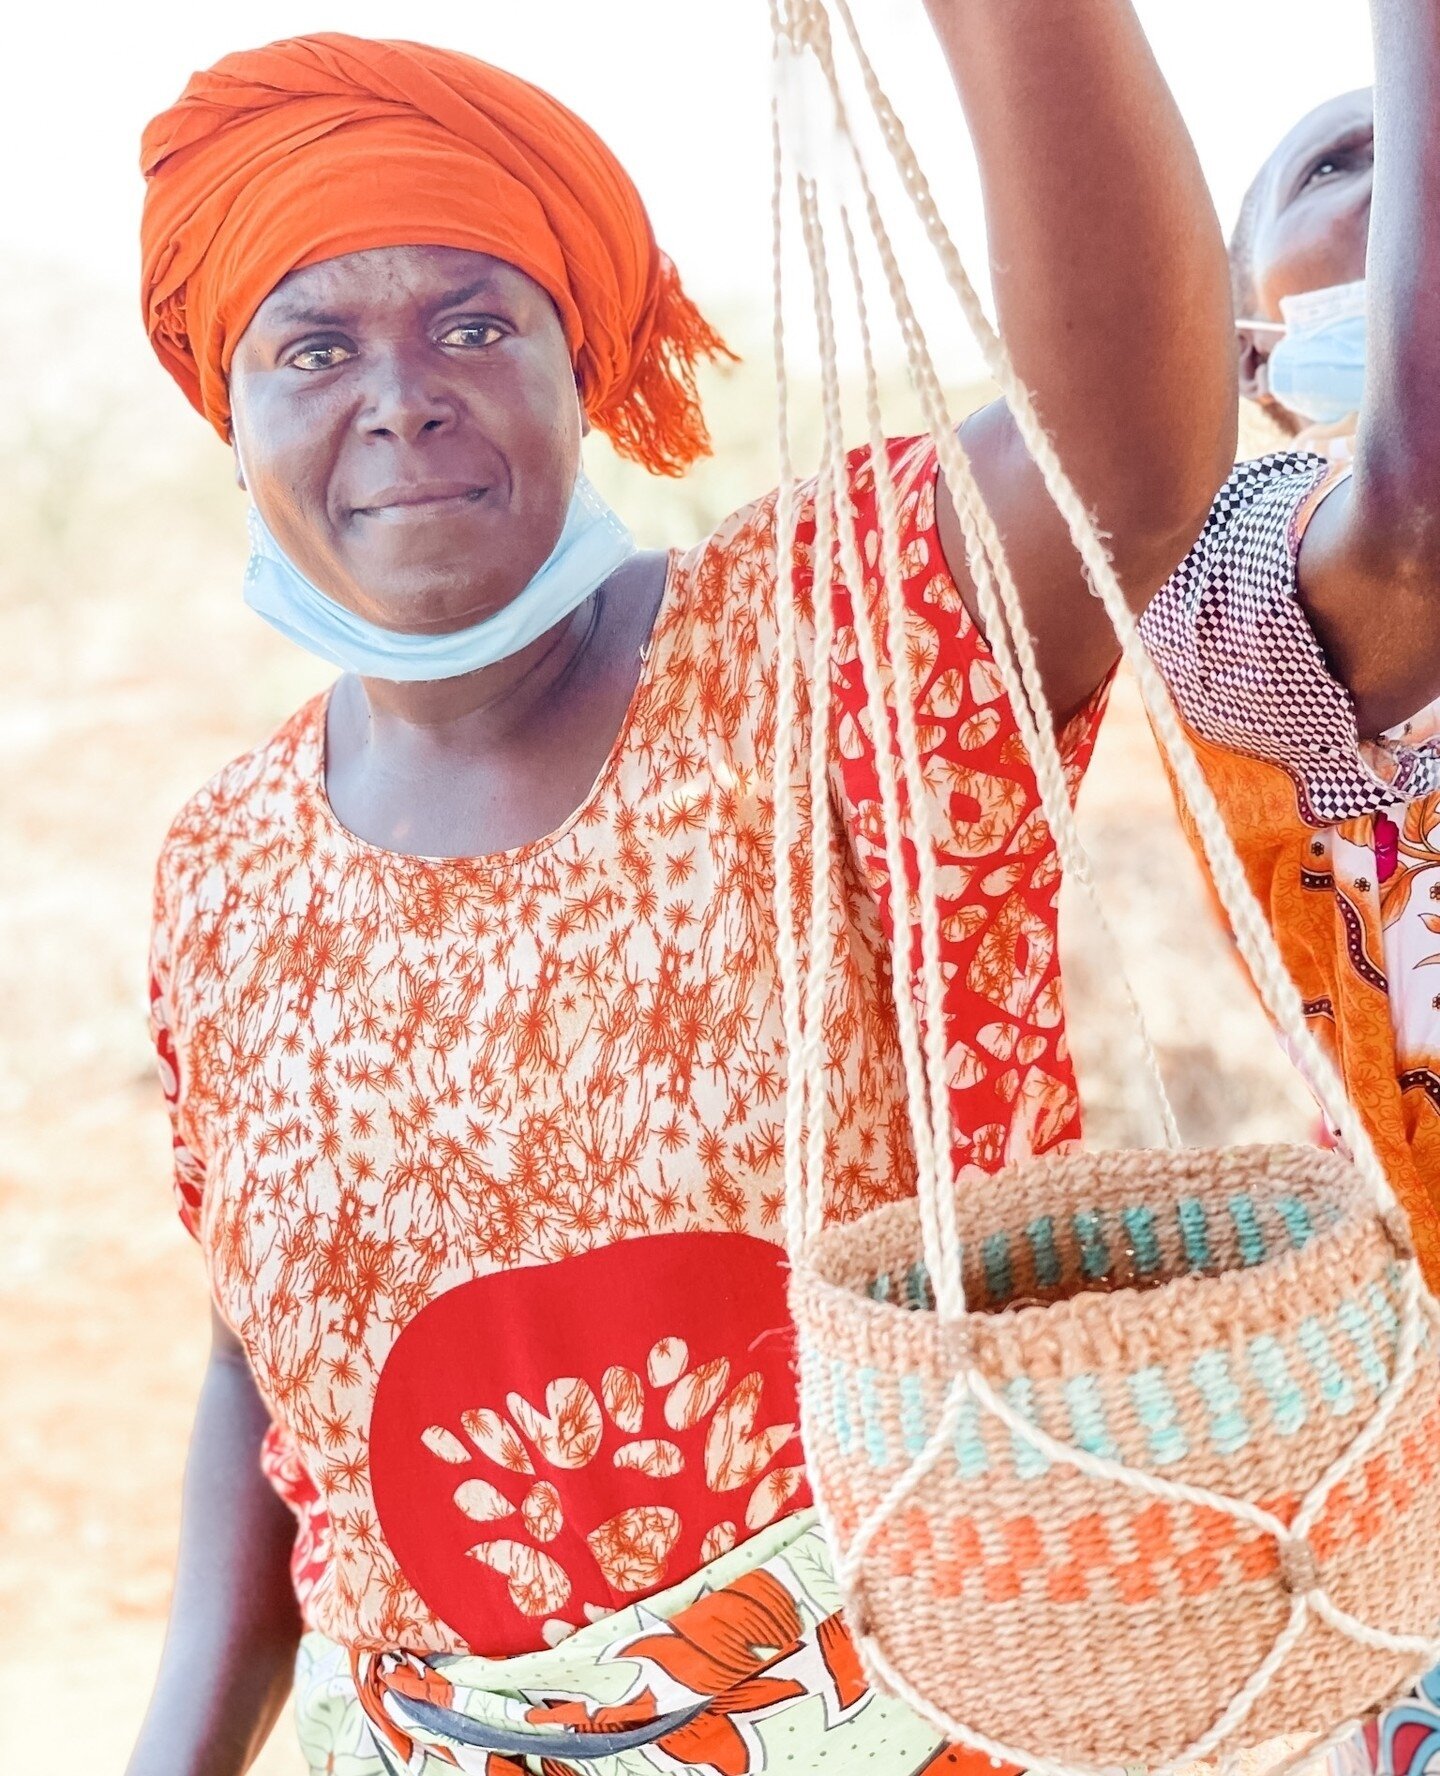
{"points": [[740, 552], [249, 800]]}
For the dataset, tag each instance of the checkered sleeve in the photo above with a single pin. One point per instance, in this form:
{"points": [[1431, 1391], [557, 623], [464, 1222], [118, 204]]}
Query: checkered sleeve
{"points": [[1243, 665]]}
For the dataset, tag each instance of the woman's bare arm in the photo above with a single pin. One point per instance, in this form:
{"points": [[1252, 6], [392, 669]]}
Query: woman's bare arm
{"points": [[1370, 562], [1113, 295], [234, 1626]]}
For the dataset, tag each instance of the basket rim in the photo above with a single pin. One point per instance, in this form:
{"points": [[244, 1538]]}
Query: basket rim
{"points": [[1118, 1329]]}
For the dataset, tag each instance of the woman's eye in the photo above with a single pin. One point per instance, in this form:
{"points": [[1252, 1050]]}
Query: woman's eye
{"points": [[1337, 161], [470, 333], [318, 357]]}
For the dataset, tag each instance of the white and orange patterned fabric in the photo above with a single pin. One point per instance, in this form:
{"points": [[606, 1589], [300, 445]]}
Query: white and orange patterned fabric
{"points": [[484, 1154]]}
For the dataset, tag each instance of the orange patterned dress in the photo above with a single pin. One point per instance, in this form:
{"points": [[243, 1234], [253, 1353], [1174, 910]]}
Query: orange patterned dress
{"points": [[484, 1154]]}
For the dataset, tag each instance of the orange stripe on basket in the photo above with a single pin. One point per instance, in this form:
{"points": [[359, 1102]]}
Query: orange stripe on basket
{"points": [[1067, 1584], [1199, 1572], [1194, 1550], [1135, 1581], [1002, 1582], [1023, 1543], [1090, 1542]]}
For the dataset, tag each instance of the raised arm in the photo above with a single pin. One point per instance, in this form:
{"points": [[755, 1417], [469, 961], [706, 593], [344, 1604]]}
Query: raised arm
{"points": [[1113, 295], [1369, 567], [230, 1649]]}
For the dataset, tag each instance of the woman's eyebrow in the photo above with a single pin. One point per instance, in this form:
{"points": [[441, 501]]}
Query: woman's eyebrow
{"points": [[292, 315]]}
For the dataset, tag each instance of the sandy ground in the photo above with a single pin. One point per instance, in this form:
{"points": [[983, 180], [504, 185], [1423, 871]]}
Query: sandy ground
{"points": [[136, 673]]}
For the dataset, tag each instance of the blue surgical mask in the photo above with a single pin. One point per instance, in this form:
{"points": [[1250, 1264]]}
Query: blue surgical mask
{"points": [[592, 545], [1318, 368]]}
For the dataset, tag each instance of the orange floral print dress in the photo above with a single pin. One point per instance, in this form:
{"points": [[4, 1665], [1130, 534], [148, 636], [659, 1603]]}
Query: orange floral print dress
{"points": [[484, 1154]]}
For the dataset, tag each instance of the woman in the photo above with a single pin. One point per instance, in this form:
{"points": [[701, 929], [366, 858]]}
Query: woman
{"points": [[463, 982], [1300, 639], [1304, 707]]}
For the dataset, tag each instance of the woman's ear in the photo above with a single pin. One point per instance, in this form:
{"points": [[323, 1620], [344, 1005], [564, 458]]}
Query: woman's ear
{"points": [[1254, 366]]}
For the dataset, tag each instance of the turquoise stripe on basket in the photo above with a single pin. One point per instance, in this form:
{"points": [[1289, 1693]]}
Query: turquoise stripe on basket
{"points": [[1253, 1249], [1160, 1415], [1334, 1382], [914, 1425], [1229, 1429], [1086, 1406], [1296, 1217], [880, 1287], [1140, 1225], [1287, 1401], [918, 1293], [1041, 1235], [840, 1406], [1094, 1253], [971, 1456], [1030, 1462], [1194, 1232], [1357, 1328], [999, 1271], [872, 1424]]}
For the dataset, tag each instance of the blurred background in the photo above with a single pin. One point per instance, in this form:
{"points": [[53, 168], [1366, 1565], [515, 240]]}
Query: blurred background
{"points": [[134, 672]]}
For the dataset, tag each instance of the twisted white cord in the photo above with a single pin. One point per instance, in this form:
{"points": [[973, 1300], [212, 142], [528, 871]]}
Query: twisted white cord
{"points": [[787, 824]]}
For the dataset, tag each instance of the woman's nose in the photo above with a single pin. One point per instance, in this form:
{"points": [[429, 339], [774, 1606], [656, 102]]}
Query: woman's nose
{"points": [[406, 397]]}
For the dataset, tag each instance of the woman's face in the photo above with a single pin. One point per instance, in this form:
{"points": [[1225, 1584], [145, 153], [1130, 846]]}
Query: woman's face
{"points": [[409, 427], [1312, 218]]}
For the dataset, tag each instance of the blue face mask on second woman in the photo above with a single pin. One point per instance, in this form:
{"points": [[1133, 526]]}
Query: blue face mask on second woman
{"points": [[1318, 367], [593, 543]]}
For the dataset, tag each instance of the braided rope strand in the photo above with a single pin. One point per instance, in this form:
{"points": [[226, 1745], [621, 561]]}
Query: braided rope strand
{"points": [[786, 666]]}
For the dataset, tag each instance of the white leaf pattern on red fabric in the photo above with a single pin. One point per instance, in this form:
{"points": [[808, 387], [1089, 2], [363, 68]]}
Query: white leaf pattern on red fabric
{"points": [[538, 1584], [734, 1455], [771, 1496], [568, 1432], [543, 1511], [656, 1456], [632, 1547], [666, 1362], [495, 1437], [719, 1540], [445, 1444], [696, 1394], [481, 1501], [624, 1395]]}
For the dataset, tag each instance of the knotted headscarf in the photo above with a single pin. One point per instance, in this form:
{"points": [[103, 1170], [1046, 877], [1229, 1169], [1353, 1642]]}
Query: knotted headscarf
{"points": [[280, 157]]}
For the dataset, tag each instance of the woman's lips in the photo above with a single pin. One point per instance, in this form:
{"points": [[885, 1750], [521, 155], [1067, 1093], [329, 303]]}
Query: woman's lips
{"points": [[405, 505]]}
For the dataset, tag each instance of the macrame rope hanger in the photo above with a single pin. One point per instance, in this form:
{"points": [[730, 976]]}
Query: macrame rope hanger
{"points": [[818, 163]]}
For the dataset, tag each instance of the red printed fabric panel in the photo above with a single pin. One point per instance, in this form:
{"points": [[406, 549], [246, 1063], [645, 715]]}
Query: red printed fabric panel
{"points": [[1012, 1083], [549, 1444]]}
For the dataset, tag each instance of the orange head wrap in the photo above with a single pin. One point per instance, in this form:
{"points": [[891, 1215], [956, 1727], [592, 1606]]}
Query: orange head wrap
{"points": [[277, 158]]}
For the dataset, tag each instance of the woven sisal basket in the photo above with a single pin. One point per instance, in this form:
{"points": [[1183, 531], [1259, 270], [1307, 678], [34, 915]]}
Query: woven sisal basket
{"points": [[1127, 1457], [1223, 1319]]}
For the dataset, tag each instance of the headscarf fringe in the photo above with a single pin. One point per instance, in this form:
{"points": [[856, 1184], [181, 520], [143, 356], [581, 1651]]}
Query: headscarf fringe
{"points": [[659, 422]]}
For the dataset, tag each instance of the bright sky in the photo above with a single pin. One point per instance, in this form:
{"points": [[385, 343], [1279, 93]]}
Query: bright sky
{"points": [[678, 87]]}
